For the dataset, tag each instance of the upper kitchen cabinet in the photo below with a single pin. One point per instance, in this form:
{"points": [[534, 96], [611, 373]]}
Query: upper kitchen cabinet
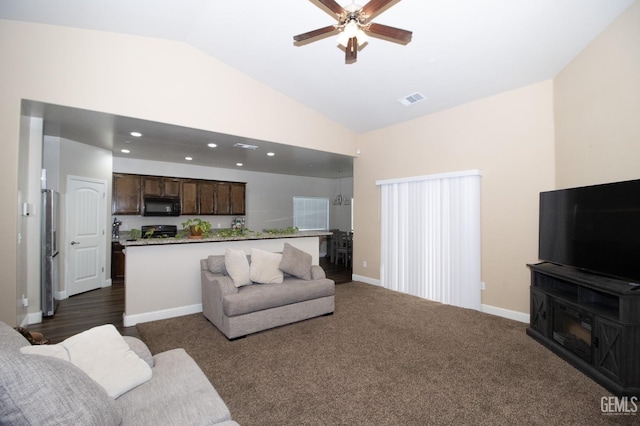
{"points": [[207, 200], [197, 196], [126, 194], [189, 197], [159, 186], [223, 198], [238, 198]]}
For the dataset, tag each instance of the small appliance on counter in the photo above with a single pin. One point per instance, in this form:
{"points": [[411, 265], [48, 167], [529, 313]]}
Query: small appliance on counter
{"points": [[237, 223], [160, 231], [115, 231]]}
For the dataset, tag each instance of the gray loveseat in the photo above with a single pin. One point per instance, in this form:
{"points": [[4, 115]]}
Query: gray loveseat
{"points": [[240, 310], [43, 390]]}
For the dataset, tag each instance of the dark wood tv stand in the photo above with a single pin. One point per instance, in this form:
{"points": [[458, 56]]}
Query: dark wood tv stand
{"points": [[610, 308]]}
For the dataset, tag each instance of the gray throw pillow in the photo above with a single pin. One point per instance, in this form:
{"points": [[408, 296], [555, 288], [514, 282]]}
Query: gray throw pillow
{"points": [[39, 390], [296, 262]]}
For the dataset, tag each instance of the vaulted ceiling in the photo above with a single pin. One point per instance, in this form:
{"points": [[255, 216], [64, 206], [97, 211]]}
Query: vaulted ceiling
{"points": [[461, 50]]}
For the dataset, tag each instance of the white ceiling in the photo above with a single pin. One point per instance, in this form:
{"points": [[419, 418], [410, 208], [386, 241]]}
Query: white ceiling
{"points": [[462, 50]]}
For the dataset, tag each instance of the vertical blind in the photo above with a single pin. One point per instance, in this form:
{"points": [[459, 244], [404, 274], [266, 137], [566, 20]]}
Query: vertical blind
{"points": [[430, 239]]}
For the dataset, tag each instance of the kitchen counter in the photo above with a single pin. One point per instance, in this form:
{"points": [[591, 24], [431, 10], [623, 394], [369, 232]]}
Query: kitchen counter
{"points": [[162, 277], [213, 239]]}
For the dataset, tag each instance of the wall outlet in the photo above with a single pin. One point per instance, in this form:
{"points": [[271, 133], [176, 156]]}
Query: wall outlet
{"points": [[364, 263], [482, 285], [25, 301]]}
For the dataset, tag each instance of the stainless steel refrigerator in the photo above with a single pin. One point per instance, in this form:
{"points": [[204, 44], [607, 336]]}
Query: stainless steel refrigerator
{"points": [[49, 271]]}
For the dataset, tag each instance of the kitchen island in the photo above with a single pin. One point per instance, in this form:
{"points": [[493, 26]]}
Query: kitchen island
{"points": [[162, 278]]}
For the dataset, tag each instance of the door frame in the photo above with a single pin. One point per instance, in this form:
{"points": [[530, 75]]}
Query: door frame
{"points": [[66, 237]]}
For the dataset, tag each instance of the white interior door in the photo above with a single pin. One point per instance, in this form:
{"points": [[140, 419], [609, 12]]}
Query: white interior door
{"points": [[86, 219]]}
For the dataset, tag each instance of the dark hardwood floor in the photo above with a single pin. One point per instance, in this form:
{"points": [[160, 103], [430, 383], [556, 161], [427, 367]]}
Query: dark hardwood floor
{"points": [[106, 306]]}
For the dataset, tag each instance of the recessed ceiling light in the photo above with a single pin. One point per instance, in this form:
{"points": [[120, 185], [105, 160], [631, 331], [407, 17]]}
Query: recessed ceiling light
{"points": [[136, 134], [212, 145], [188, 158], [245, 146], [271, 154], [125, 151], [239, 164]]}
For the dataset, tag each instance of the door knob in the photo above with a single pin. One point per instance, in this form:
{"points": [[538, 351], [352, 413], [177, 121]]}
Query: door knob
{"points": [[73, 243]]}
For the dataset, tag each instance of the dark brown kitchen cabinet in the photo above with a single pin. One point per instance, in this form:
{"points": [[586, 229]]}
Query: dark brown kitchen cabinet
{"points": [[117, 261], [171, 187], [189, 199], [207, 200], [197, 196], [126, 194], [223, 198], [238, 198], [159, 186]]}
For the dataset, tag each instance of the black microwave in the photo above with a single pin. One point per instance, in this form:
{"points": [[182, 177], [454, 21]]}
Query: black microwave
{"points": [[161, 206]]}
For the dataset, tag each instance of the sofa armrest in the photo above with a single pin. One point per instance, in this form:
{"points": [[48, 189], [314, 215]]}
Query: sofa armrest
{"points": [[140, 348], [317, 273], [214, 288]]}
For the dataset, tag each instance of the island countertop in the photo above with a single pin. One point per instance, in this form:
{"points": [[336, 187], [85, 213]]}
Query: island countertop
{"points": [[163, 275], [212, 239]]}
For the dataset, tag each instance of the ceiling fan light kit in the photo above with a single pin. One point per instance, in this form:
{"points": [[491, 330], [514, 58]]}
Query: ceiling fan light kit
{"points": [[355, 27]]}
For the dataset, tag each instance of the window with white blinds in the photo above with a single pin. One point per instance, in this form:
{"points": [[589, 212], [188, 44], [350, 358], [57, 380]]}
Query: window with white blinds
{"points": [[311, 213]]}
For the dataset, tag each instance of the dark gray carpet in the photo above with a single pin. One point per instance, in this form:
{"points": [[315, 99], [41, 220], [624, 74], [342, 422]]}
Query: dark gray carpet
{"points": [[386, 358]]}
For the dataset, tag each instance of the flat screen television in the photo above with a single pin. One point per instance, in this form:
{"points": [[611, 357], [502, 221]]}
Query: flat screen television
{"points": [[593, 228]]}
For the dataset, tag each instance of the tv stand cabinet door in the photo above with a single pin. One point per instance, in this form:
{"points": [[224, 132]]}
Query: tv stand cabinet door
{"points": [[608, 353], [540, 313]]}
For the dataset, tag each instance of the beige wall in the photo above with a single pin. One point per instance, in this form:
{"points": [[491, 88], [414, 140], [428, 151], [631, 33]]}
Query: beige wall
{"points": [[137, 77], [509, 137], [597, 108]]}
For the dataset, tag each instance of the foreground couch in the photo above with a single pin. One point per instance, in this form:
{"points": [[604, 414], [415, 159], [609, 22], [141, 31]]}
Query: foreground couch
{"points": [[44, 390], [246, 294]]}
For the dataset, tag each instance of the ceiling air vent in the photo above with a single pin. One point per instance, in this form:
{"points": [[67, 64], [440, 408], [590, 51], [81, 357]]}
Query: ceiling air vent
{"points": [[412, 99], [245, 146]]}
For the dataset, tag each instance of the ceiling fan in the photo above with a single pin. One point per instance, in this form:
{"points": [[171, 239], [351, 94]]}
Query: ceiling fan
{"points": [[354, 24]]}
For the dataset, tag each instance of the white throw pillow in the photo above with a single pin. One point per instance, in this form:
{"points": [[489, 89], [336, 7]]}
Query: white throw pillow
{"points": [[237, 267], [265, 267], [103, 355]]}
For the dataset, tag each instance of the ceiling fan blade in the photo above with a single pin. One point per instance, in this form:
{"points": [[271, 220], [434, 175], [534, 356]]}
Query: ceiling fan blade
{"points": [[314, 33], [351, 52], [390, 33], [375, 6], [332, 6]]}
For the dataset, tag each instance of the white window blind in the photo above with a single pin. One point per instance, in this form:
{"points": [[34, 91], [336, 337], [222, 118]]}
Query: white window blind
{"points": [[311, 213], [430, 237]]}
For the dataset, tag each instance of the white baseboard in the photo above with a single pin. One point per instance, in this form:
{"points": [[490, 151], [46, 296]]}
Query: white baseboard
{"points": [[60, 295], [131, 320], [106, 283], [34, 317], [506, 313], [365, 280]]}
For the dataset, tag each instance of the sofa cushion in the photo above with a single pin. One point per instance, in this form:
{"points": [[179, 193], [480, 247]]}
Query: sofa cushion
{"points": [[103, 355], [296, 262], [36, 390], [215, 264], [265, 267], [178, 394], [237, 267], [259, 297]]}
